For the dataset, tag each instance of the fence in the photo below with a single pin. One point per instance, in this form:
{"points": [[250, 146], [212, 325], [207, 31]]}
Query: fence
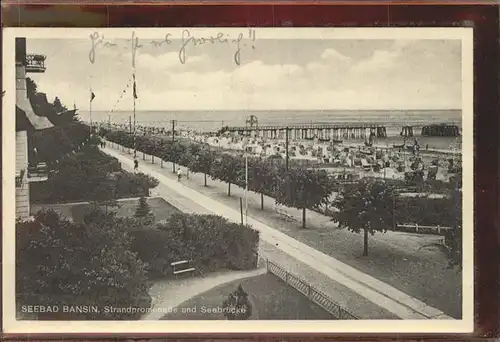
{"points": [[313, 294], [415, 228]]}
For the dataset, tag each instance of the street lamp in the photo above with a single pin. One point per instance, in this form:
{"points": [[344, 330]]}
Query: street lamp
{"points": [[246, 149], [246, 187]]}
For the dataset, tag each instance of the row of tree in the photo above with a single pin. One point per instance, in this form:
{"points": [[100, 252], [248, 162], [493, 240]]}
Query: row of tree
{"points": [[66, 136], [297, 187], [52, 144], [41, 105], [367, 206]]}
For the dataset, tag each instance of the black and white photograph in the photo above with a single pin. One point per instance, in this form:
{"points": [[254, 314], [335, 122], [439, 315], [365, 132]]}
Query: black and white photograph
{"points": [[285, 180]]}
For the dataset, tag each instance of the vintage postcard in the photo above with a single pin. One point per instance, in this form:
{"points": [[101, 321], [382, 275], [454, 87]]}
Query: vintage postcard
{"points": [[175, 180]]}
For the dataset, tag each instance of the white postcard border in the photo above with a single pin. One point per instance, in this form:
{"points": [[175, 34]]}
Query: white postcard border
{"points": [[463, 325]]}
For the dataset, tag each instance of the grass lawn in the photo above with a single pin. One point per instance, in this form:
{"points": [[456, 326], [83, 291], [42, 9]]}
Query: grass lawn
{"points": [[271, 299], [160, 208]]}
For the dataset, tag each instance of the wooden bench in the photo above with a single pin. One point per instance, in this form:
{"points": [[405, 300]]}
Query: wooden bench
{"points": [[183, 266]]}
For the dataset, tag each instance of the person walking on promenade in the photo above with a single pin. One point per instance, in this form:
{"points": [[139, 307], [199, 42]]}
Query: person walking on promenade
{"points": [[179, 174], [136, 165]]}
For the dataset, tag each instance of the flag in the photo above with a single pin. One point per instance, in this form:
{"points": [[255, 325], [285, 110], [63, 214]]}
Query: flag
{"points": [[92, 96], [135, 90]]}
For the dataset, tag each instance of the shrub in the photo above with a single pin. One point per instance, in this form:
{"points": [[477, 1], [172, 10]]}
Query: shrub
{"points": [[237, 305], [427, 211], [92, 176], [62, 263], [142, 208], [210, 241]]}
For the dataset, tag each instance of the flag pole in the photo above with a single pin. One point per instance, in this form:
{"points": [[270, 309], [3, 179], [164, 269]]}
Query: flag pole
{"points": [[135, 132], [90, 110]]}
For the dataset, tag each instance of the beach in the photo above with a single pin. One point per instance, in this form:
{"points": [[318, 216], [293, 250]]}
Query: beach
{"points": [[212, 121]]}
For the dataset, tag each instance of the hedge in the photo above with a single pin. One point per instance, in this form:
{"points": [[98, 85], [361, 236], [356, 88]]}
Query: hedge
{"points": [[427, 211], [89, 175], [59, 263], [210, 241]]}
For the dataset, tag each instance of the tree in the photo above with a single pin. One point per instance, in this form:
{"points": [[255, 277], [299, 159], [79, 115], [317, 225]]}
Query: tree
{"points": [[59, 262], [31, 87], [143, 208], [134, 184], [79, 177], [237, 306], [202, 162], [90, 175], [229, 169], [53, 143], [303, 188], [262, 178], [176, 152], [365, 206], [58, 106], [105, 194]]}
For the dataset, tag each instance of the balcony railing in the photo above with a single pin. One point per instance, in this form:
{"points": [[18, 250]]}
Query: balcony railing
{"points": [[35, 63], [19, 178], [38, 173]]}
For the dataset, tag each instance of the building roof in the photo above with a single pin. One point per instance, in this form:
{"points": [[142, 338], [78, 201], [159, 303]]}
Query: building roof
{"points": [[22, 122], [27, 119]]}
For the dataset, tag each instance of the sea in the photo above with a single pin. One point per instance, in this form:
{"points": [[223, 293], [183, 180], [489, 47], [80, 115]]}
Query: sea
{"points": [[213, 120]]}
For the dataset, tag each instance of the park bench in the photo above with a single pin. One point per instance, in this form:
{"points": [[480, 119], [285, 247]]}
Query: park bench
{"points": [[183, 266]]}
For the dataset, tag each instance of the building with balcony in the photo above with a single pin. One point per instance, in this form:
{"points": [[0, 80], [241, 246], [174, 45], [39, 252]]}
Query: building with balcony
{"points": [[27, 122]]}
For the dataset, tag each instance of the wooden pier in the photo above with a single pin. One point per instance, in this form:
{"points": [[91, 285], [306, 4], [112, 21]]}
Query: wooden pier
{"points": [[442, 130], [312, 131]]}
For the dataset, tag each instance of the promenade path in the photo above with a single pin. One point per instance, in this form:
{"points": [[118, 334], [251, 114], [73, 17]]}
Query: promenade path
{"points": [[169, 294], [383, 295]]}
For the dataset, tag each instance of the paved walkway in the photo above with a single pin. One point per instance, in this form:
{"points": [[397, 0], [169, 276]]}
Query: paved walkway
{"points": [[169, 294], [377, 292]]}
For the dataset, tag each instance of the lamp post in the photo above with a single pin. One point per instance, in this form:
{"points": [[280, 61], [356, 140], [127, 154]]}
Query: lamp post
{"points": [[245, 149], [286, 148], [246, 187]]}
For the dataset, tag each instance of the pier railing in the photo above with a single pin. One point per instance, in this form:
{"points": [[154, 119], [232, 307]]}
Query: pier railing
{"points": [[343, 125], [313, 294]]}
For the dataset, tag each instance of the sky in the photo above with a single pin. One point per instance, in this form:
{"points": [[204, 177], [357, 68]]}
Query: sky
{"points": [[272, 74]]}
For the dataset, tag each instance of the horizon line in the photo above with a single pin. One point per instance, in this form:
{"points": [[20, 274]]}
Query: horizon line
{"points": [[268, 110]]}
